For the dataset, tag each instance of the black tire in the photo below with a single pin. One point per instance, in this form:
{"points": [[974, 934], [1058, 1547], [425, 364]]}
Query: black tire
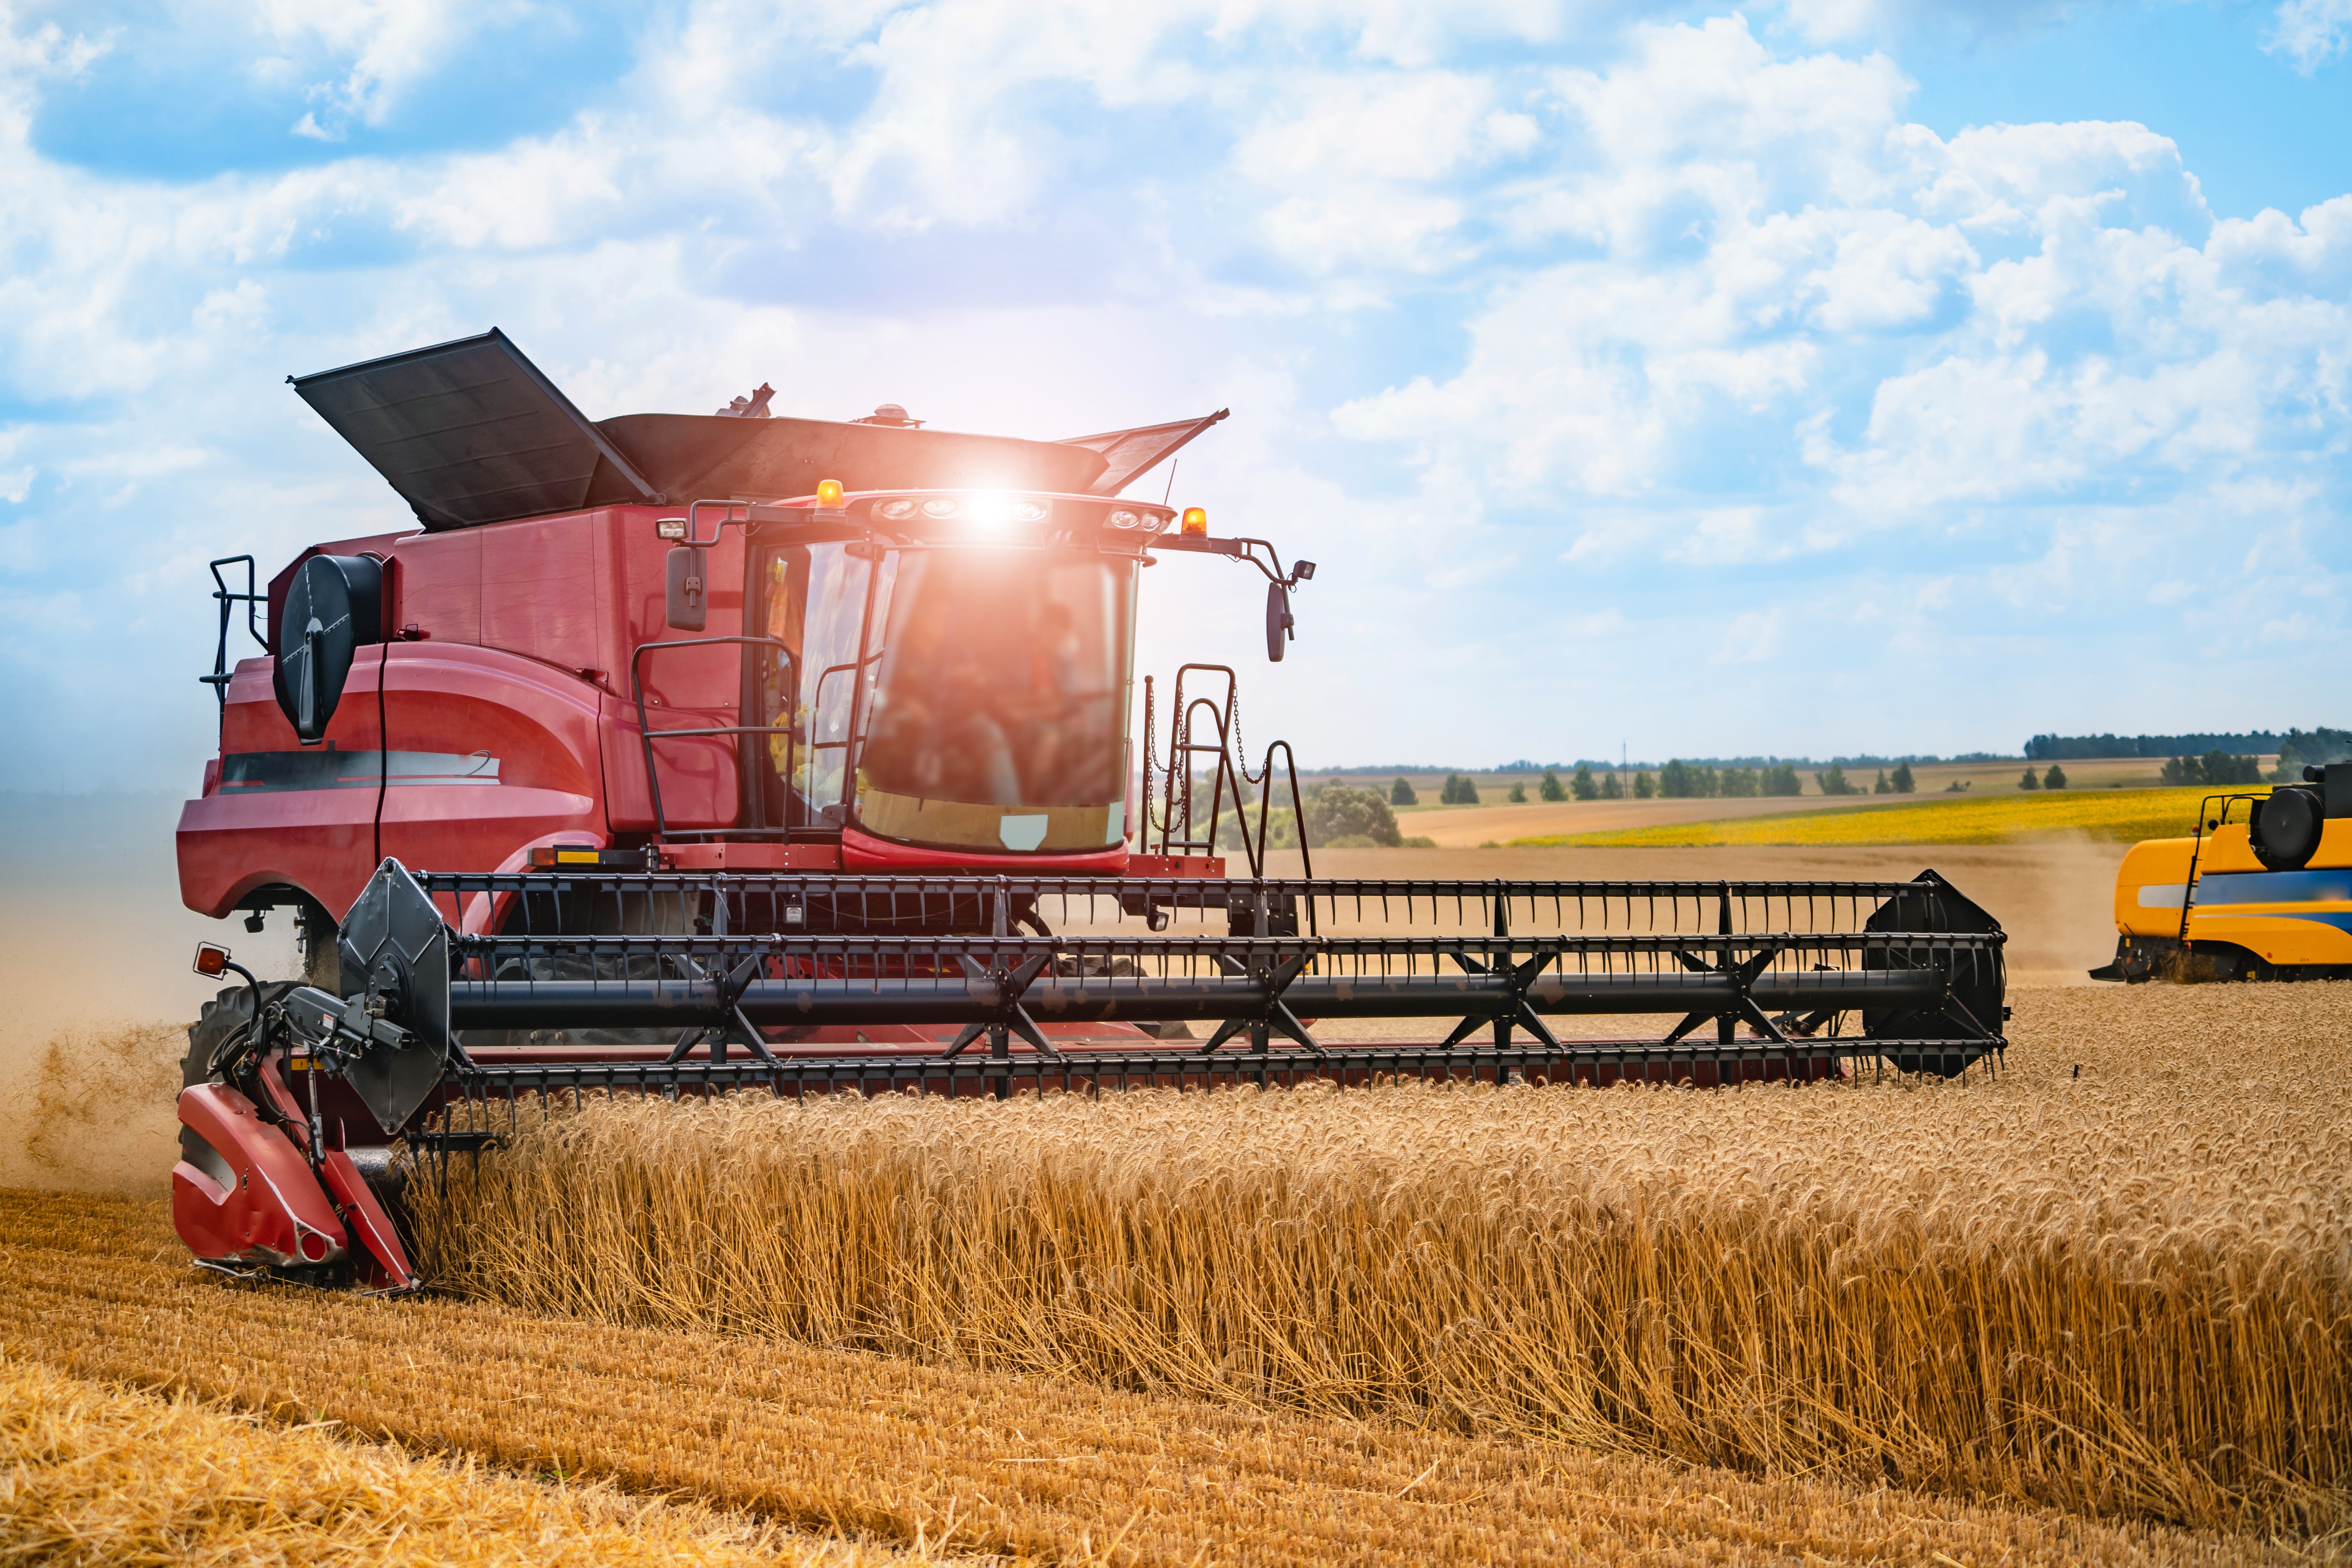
{"points": [[224, 1018]]}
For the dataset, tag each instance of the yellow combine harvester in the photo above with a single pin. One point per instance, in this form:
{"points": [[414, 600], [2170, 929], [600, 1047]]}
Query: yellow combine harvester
{"points": [[2267, 896]]}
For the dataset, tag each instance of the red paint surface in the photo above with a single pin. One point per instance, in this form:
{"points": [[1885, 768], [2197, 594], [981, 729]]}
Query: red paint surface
{"points": [[381, 1261], [274, 1202], [516, 639], [863, 852]]}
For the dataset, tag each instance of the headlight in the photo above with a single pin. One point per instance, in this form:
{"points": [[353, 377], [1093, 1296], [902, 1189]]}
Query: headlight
{"points": [[943, 506], [896, 510], [1125, 519], [1152, 521], [1032, 510]]}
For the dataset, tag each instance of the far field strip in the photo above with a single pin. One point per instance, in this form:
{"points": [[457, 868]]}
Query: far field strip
{"points": [[2107, 815], [868, 1446]]}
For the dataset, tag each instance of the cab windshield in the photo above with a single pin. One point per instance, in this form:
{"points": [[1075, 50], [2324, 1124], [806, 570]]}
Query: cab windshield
{"points": [[997, 717], [989, 692]]}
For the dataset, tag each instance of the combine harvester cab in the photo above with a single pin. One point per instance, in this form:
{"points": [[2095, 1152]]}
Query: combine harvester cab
{"points": [[829, 785], [2261, 889]]}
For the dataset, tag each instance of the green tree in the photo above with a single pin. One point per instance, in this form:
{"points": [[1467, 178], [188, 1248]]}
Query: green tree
{"points": [[1903, 782], [2056, 778], [1741, 784], [1674, 780], [1458, 791], [1644, 786], [2031, 780], [2224, 770], [1518, 796], [1833, 781], [1402, 793], [1881, 786], [2299, 749], [1610, 787], [1781, 780], [1583, 786], [1343, 815], [1552, 789]]}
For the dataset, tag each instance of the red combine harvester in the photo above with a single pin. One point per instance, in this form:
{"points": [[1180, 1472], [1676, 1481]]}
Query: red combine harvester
{"points": [[747, 754]]}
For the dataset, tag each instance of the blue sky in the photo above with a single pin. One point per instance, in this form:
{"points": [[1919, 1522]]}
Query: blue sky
{"points": [[1823, 375]]}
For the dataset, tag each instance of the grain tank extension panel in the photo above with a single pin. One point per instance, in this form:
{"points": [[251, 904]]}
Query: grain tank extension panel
{"points": [[471, 432]]}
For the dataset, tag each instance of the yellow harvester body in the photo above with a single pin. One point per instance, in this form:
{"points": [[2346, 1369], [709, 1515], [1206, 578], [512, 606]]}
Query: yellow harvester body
{"points": [[2208, 900]]}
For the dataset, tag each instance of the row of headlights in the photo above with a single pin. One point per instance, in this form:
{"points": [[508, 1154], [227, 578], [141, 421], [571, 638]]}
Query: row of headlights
{"points": [[978, 509], [985, 508]]}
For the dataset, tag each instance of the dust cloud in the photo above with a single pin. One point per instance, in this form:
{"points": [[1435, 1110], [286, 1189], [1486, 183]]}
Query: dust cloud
{"points": [[95, 989]]}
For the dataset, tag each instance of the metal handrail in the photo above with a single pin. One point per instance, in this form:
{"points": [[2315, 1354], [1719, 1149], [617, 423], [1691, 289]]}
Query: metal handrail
{"points": [[1297, 817], [648, 735], [223, 594], [2197, 851], [1182, 747]]}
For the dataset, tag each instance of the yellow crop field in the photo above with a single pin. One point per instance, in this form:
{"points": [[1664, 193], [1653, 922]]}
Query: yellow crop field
{"points": [[980, 1466], [102, 1476], [2116, 816], [2128, 1292]]}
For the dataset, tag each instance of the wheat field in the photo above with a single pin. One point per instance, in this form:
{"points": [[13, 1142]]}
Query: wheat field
{"points": [[98, 1475], [948, 1461], [2126, 1292], [2107, 815]]}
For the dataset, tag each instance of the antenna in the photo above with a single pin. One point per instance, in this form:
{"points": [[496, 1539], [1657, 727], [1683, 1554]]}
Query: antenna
{"points": [[1172, 481]]}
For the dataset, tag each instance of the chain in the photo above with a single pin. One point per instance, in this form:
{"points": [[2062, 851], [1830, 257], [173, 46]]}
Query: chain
{"points": [[1178, 738], [1150, 766], [1241, 747]]}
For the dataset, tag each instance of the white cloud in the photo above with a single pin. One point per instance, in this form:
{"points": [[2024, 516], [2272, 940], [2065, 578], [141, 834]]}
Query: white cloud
{"points": [[2313, 31], [389, 45], [1633, 344], [1752, 638]]}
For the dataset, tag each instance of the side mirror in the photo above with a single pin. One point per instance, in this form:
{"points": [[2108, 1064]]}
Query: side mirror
{"points": [[1278, 621], [333, 605], [684, 597]]}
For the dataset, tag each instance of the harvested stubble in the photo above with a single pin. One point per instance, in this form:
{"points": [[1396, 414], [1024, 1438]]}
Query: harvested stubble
{"points": [[101, 1475], [889, 1447], [2127, 1293]]}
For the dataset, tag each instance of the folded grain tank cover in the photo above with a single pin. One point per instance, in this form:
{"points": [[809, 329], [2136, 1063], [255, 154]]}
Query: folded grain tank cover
{"points": [[470, 433], [1127, 454]]}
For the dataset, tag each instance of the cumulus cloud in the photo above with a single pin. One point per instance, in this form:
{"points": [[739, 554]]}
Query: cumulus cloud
{"points": [[1540, 321], [2312, 31], [383, 48]]}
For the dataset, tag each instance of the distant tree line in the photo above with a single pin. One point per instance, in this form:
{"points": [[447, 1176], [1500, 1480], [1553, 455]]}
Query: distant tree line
{"points": [[2320, 745], [2217, 768], [2298, 748], [1679, 780]]}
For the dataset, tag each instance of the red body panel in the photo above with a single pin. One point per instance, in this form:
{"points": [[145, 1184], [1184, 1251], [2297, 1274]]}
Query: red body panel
{"points": [[271, 1211], [513, 657], [863, 852], [382, 1261]]}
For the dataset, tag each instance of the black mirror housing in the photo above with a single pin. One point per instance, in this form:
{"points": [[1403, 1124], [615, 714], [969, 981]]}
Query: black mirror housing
{"points": [[335, 605], [1278, 621], [686, 596]]}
